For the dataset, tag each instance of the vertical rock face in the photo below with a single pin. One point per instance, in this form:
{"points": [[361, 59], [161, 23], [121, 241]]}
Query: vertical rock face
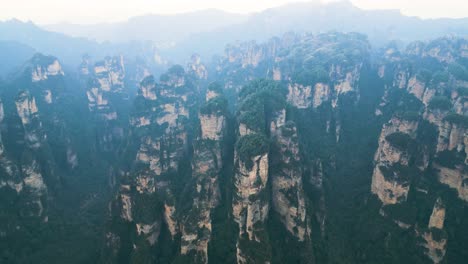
{"points": [[28, 112], [345, 78], [250, 202], [321, 94], [388, 182], [108, 100], [409, 155], [287, 188], [26, 107], [416, 87], [196, 68], [108, 79], [435, 248], [451, 137], [183, 182], [387, 188], [25, 176], [277, 74], [212, 127], [455, 178], [43, 67], [175, 77], [28, 168], [434, 239], [206, 165], [159, 135], [246, 54], [250, 209], [254, 60], [438, 215], [148, 88], [85, 66], [300, 96]]}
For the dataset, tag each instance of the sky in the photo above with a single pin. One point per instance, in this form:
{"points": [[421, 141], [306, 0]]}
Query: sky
{"points": [[96, 11]]}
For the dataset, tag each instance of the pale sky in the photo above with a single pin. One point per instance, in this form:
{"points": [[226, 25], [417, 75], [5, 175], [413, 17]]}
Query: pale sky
{"points": [[92, 11]]}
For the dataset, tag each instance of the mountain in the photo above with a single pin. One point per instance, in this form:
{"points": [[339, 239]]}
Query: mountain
{"points": [[297, 148], [20, 36], [165, 30], [13, 55], [305, 149], [381, 26], [67, 48], [207, 32]]}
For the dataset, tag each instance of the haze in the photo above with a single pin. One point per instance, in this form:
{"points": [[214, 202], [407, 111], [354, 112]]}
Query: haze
{"points": [[92, 11]]}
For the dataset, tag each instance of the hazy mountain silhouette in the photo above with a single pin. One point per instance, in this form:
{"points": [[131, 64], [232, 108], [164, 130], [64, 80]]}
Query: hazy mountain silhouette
{"points": [[163, 29]]}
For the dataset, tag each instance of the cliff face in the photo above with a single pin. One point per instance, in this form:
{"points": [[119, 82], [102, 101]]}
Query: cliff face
{"points": [[250, 204], [108, 100], [287, 188], [250, 210], [311, 149], [300, 96], [289, 58], [196, 68], [433, 142], [30, 115], [435, 244], [159, 142], [207, 161], [108, 79], [24, 175], [389, 183], [43, 67]]}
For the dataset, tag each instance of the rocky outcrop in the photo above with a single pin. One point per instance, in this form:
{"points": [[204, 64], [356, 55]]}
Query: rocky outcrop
{"points": [[148, 88], [401, 79], [299, 95], [345, 80], [151, 231], [435, 248], [212, 126], [438, 215], [28, 112], [455, 178], [108, 100], [28, 169], [287, 188], [43, 67], [108, 79], [159, 135], [435, 241], [416, 87], [249, 208], [451, 137], [321, 94], [206, 165], [196, 68], [390, 189], [388, 182], [251, 191], [26, 108], [175, 77], [277, 74], [247, 54], [85, 66]]}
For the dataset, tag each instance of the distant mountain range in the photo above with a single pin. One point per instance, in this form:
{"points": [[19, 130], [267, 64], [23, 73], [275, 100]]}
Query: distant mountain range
{"points": [[166, 30]]}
